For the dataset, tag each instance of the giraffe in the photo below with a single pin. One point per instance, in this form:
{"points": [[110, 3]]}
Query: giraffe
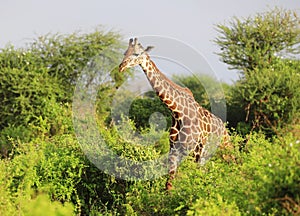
{"points": [[192, 125]]}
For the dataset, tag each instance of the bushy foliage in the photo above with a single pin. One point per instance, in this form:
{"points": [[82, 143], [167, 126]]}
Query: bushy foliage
{"points": [[37, 82], [42, 161], [272, 95], [29, 93], [55, 174], [261, 48], [65, 56], [22, 184], [263, 181], [253, 42], [142, 109]]}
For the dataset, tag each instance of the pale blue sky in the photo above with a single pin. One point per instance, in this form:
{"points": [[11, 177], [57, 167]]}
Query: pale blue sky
{"points": [[191, 21]]}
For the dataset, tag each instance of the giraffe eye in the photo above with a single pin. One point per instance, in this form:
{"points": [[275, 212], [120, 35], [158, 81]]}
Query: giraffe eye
{"points": [[135, 54]]}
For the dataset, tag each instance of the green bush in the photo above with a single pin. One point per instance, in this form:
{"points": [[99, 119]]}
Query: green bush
{"points": [[272, 95], [263, 180], [213, 208], [58, 170], [32, 170], [142, 109], [13, 133], [27, 95], [37, 82], [262, 49], [42, 205], [254, 42]]}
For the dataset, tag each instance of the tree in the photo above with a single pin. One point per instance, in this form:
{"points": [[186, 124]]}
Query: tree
{"points": [[37, 82], [263, 49], [255, 42]]}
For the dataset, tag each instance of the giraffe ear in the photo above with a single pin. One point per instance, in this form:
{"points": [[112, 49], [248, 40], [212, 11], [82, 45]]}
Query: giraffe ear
{"points": [[149, 48]]}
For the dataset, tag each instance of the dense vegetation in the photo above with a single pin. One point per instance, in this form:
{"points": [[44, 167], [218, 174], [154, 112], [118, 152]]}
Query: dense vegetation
{"points": [[44, 170], [262, 50]]}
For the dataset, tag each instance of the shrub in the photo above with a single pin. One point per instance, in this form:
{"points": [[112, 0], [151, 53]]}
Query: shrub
{"points": [[264, 180], [142, 109], [37, 82], [272, 95], [213, 207], [42, 205], [262, 49]]}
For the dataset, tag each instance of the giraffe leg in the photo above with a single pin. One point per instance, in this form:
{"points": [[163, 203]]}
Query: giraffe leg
{"points": [[173, 164], [197, 152], [173, 153], [176, 154], [180, 141]]}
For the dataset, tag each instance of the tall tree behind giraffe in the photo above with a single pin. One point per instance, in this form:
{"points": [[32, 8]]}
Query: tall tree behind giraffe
{"points": [[262, 48]]}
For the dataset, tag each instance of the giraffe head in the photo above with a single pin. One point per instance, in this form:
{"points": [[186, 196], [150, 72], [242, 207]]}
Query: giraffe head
{"points": [[134, 55]]}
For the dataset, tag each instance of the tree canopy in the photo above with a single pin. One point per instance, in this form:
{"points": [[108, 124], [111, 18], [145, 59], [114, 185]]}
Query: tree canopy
{"points": [[264, 50], [256, 42]]}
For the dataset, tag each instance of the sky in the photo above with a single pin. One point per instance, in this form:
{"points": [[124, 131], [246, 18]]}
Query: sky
{"points": [[192, 22]]}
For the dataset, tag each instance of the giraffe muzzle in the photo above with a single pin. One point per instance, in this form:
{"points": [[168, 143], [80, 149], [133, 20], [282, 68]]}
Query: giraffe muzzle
{"points": [[121, 68]]}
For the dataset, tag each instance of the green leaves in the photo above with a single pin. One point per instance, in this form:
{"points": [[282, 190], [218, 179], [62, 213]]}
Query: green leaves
{"points": [[253, 42], [260, 48], [257, 184], [37, 82], [142, 109], [272, 95]]}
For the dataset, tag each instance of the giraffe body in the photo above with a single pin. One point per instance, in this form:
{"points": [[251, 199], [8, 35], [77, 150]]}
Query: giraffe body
{"points": [[193, 127]]}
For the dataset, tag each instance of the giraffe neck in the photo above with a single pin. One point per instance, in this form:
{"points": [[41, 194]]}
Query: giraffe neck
{"points": [[170, 93]]}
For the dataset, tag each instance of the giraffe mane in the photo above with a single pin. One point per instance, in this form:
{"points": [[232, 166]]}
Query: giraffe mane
{"points": [[174, 85]]}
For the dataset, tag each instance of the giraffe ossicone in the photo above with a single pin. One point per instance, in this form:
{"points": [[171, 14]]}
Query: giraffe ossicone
{"points": [[194, 129]]}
